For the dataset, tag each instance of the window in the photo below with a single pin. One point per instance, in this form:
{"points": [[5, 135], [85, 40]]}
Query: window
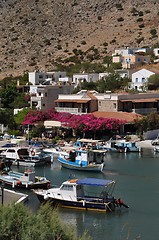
{"points": [[39, 93], [100, 103], [11, 151], [128, 60], [114, 105], [34, 104], [46, 94], [138, 59], [143, 80], [43, 104], [67, 188], [136, 80]]}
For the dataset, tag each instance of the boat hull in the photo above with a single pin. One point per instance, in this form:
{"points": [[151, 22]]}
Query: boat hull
{"points": [[13, 184], [82, 205], [27, 163], [74, 166]]}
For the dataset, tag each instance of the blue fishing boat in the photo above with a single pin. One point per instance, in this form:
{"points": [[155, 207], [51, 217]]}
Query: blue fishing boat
{"points": [[82, 159]]}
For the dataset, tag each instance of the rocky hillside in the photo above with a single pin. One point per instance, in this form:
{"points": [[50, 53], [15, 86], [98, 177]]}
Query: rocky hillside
{"points": [[37, 33]]}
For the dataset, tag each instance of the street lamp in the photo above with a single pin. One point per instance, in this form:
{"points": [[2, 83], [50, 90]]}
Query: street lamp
{"points": [[2, 193]]}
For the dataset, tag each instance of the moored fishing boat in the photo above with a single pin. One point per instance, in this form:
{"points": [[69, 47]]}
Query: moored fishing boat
{"points": [[20, 156], [121, 146], [24, 180], [82, 159], [75, 194]]}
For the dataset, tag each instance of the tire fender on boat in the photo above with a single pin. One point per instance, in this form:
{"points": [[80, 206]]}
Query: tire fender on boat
{"points": [[32, 152], [19, 182], [84, 203], [46, 197], [13, 184]]}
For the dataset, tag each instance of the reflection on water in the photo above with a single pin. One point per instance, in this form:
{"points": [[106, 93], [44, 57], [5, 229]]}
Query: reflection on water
{"points": [[137, 176]]}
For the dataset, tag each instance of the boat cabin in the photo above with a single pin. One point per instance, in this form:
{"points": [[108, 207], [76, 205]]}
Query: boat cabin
{"points": [[85, 157], [89, 143], [89, 189], [15, 153], [27, 176]]}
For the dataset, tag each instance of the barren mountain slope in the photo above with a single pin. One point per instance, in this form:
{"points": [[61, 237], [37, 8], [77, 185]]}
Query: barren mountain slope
{"points": [[35, 33]]}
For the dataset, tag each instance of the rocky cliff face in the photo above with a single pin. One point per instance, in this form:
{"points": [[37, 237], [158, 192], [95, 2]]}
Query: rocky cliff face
{"points": [[35, 34]]}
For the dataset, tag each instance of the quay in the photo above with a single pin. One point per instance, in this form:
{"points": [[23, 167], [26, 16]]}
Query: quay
{"points": [[8, 197]]}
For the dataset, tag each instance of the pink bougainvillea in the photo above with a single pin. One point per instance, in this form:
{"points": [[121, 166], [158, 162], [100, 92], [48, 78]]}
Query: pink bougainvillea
{"points": [[85, 122]]}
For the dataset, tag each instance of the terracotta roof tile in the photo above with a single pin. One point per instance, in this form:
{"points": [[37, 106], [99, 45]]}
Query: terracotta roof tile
{"points": [[128, 117], [141, 100]]}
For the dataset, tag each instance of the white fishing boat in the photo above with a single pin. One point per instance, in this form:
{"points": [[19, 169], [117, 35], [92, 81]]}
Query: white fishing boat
{"points": [[21, 156], [55, 151], [121, 146], [85, 160], [28, 179], [86, 194]]}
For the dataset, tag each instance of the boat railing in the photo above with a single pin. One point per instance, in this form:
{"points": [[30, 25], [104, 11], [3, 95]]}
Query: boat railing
{"points": [[90, 199]]}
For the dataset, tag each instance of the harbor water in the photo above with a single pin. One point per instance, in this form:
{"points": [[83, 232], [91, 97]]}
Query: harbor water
{"points": [[137, 183]]}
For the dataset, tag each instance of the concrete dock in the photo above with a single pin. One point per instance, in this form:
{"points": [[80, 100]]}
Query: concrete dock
{"points": [[8, 197]]}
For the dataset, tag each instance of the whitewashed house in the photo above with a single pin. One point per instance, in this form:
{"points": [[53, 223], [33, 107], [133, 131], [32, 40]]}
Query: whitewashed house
{"points": [[84, 77], [130, 58], [37, 77], [139, 79], [156, 52], [42, 97]]}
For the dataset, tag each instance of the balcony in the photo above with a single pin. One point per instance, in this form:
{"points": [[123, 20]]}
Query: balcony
{"points": [[144, 111], [70, 110]]}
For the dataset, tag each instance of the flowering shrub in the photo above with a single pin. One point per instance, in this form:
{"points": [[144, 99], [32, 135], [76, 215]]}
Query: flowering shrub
{"points": [[86, 122]]}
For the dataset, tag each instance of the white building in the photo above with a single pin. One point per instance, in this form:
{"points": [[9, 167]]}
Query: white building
{"points": [[43, 96], [85, 77], [156, 52], [139, 79], [37, 77]]}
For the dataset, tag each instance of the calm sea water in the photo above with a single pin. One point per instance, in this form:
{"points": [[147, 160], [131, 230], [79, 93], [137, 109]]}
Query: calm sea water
{"points": [[137, 177]]}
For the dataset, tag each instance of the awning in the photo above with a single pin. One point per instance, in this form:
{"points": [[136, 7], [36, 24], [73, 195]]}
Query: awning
{"points": [[85, 140], [94, 182], [50, 124], [72, 100], [141, 100], [145, 100]]}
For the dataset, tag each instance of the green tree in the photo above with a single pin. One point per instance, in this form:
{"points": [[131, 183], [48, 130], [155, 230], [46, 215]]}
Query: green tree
{"points": [[19, 117], [153, 82], [6, 118], [112, 82], [86, 67], [13, 80], [18, 223], [8, 95], [146, 123], [37, 131], [86, 86], [19, 101]]}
